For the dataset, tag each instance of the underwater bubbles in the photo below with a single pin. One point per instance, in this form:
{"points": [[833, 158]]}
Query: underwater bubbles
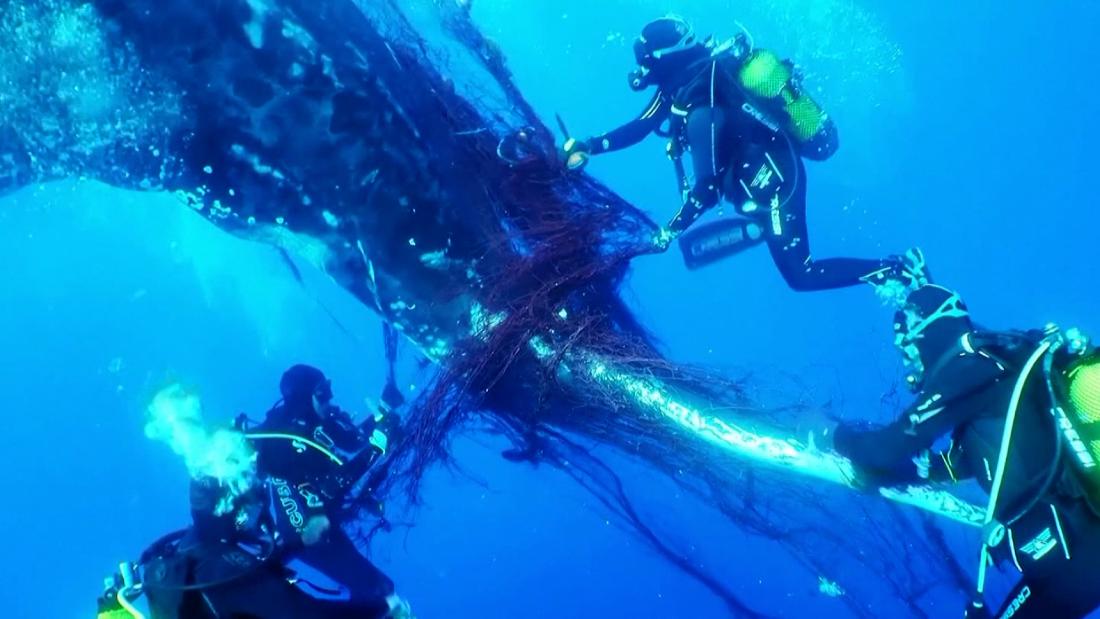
{"points": [[223, 454], [72, 97], [845, 48]]}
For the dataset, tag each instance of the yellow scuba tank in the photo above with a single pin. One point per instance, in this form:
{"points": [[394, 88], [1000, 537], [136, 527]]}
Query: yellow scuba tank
{"points": [[772, 81], [1079, 420]]}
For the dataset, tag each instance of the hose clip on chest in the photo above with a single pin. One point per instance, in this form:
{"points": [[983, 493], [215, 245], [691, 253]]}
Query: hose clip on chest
{"points": [[123, 589], [993, 533]]}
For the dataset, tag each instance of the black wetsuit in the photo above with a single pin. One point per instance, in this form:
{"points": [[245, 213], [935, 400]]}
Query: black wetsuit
{"points": [[739, 154], [308, 470], [1052, 534], [298, 483], [199, 578]]}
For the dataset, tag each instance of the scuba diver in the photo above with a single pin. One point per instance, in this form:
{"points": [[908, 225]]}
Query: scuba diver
{"points": [[743, 116], [306, 413], [1022, 411], [279, 550]]}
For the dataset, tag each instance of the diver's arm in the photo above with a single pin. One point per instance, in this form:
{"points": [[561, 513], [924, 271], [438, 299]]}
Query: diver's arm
{"points": [[218, 513], [300, 513], [882, 456], [634, 131], [949, 465], [705, 126], [885, 454], [378, 432], [205, 495], [342, 430]]}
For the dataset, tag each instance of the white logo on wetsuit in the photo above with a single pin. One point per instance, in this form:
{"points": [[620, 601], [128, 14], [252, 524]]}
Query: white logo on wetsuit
{"points": [[763, 177], [1043, 543]]}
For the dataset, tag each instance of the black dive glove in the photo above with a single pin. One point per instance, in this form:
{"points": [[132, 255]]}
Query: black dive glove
{"points": [[576, 153], [699, 200]]}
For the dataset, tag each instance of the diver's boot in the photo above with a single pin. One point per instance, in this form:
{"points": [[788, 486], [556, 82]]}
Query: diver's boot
{"points": [[899, 277]]}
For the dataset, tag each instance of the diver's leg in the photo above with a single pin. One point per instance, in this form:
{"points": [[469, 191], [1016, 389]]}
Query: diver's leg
{"points": [[264, 594], [787, 238], [270, 595], [338, 558], [706, 130], [704, 126]]}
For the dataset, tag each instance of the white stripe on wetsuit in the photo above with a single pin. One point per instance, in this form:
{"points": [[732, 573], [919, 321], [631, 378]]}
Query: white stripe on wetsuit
{"points": [[1012, 549], [919, 419], [653, 108], [1061, 536]]}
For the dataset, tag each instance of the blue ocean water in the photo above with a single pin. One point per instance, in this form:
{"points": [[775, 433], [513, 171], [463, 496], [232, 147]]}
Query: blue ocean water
{"points": [[971, 133]]}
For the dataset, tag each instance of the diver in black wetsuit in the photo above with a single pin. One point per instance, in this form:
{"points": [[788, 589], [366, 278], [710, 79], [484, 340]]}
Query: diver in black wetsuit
{"points": [[1041, 389], [280, 550], [744, 118]]}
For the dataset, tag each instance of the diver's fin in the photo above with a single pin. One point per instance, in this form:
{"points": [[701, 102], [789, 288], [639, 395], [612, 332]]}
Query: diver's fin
{"points": [[708, 243]]}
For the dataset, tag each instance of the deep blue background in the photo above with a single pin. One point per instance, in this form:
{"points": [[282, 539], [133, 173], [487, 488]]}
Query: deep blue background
{"points": [[976, 141]]}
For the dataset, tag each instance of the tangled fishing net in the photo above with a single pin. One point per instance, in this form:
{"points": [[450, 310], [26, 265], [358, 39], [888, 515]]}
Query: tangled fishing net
{"points": [[386, 142]]}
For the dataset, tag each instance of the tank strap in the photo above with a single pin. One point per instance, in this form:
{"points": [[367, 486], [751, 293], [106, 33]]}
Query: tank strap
{"points": [[1012, 550], [993, 532], [1061, 533]]}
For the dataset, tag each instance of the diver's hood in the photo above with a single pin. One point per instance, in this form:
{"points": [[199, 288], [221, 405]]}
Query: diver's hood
{"points": [[670, 71], [941, 340], [301, 383]]}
